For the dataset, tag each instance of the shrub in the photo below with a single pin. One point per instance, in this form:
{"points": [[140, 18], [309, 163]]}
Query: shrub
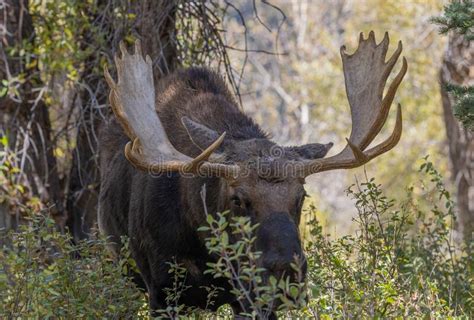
{"points": [[239, 264], [44, 276], [401, 262]]}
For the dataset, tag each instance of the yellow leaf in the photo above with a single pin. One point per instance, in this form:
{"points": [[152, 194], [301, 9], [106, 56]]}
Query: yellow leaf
{"points": [[59, 153]]}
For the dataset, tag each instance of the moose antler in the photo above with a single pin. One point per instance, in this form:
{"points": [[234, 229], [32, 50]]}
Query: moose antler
{"points": [[133, 102], [366, 73]]}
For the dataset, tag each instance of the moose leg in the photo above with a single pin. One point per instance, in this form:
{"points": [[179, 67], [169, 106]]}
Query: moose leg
{"points": [[155, 296], [145, 275], [154, 301], [155, 278]]}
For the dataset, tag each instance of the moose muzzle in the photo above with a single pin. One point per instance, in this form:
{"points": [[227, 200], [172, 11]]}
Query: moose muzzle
{"points": [[278, 240]]}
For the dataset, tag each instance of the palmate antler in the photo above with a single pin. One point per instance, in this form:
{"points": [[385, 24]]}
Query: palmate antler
{"points": [[365, 73], [133, 102]]}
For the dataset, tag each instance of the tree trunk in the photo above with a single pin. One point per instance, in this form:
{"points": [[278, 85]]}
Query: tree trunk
{"points": [[24, 117], [156, 25], [457, 69]]}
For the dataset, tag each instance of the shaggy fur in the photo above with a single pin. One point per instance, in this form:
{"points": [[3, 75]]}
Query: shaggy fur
{"points": [[161, 215]]}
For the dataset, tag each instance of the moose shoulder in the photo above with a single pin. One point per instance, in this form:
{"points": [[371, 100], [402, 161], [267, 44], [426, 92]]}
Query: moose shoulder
{"points": [[160, 149]]}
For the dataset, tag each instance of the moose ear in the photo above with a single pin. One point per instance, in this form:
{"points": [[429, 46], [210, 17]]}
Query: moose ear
{"points": [[199, 134], [312, 150]]}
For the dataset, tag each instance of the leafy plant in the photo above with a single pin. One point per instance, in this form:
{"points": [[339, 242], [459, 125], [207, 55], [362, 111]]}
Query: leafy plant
{"points": [[457, 16], [401, 262], [464, 107], [43, 275], [232, 242]]}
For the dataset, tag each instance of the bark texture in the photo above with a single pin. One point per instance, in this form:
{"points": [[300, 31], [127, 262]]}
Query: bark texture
{"points": [[24, 117], [458, 69]]}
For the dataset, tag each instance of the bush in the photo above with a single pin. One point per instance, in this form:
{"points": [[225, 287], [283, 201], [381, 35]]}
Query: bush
{"points": [[401, 262], [239, 264], [44, 276]]}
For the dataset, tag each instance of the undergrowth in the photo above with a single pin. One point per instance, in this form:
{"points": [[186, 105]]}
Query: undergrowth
{"points": [[401, 262]]}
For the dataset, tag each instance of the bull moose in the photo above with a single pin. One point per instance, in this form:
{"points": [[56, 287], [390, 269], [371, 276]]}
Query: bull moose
{"points": [[188, 128]]}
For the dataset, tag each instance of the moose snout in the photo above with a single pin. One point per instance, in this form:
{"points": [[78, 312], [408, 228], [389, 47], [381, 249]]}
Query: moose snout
{"points": [[279, 242], [283, 266]]}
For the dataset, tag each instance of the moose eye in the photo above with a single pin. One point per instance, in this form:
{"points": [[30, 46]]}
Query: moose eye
{"points": [[236, 201]]}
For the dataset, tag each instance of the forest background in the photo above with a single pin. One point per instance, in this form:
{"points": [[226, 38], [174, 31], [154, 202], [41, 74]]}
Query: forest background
{"points": [[282, 60]]}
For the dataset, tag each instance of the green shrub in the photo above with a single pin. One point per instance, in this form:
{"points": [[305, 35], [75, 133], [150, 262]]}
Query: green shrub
{"points": [[401, 262], [239, 264], [44, 276]]}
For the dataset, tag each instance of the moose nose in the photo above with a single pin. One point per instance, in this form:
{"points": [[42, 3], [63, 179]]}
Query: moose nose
{"points": [[279, 266], [279, 242]]}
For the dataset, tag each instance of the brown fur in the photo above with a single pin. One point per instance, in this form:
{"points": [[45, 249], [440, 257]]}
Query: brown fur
{"points": [[161, 214]]}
